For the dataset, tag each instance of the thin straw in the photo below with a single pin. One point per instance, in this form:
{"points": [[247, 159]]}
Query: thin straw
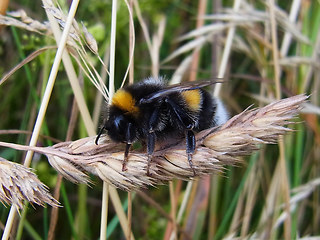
{"points": [[226, 52], [105, 196], [44, 104]]}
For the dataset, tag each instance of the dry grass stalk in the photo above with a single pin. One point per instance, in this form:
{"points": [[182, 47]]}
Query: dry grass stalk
{"points": [[19, 183], [216, 147], [20, 19], [78, 38], [244, 17]]}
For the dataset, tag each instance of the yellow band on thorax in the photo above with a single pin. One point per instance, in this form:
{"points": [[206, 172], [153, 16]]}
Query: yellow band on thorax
{"points": [[125, 101]]}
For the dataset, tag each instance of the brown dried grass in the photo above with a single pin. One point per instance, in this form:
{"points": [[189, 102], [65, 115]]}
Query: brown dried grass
{"points": [[19, 183], [216, 148]]}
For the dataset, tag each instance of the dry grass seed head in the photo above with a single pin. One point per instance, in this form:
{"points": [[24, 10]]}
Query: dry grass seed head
{"points": [[19, 183], [216, 147]]}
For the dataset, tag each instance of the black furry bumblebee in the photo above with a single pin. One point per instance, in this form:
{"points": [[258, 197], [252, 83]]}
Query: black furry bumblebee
{"points": [[149, 111]]}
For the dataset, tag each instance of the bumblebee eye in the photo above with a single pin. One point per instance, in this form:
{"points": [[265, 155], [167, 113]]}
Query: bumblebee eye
{"points": [[119, 122], [120, 128]]}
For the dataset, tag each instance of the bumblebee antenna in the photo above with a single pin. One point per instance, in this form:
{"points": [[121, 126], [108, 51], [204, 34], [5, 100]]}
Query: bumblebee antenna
{"points": [[99, 135]]}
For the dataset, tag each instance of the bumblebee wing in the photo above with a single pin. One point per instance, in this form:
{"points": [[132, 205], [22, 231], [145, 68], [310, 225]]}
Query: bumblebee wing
{"points": [[187, 86]]}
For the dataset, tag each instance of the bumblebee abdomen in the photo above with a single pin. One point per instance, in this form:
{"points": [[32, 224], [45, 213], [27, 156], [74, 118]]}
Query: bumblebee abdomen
{"points": [[213, 113], [207, 113]]}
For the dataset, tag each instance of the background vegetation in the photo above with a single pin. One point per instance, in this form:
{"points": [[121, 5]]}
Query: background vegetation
{"points": [[247, 201]]}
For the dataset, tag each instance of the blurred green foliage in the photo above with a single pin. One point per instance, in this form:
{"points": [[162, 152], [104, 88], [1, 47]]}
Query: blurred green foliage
{"points": [[20, 97]]}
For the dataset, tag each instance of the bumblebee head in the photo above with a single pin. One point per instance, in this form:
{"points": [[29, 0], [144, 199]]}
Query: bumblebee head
{"points": [[120, 123], [120, 127]]}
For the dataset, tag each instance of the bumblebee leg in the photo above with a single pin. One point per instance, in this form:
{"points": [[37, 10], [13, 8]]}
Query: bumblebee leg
{"points": [[150, 149], [151, 138], [191, 146], [188, 124], [129, 140], [125, 160], [181, 115]]}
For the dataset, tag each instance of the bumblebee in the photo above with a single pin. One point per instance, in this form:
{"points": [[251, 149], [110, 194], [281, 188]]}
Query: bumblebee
{"points": [[150, 111]]}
